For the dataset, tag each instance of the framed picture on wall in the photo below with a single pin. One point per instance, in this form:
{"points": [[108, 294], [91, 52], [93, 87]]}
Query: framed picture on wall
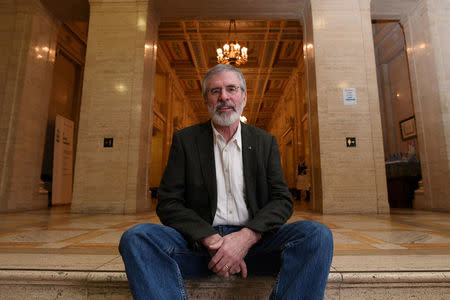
{"points": [[408, 128]]}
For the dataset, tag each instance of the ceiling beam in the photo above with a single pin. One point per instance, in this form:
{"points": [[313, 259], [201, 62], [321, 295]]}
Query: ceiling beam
{"points": [[267, 77], [202, 48], [251, 116], [191, 50]]}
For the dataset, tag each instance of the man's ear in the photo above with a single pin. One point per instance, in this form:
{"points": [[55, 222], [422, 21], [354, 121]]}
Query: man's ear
{"points": [[244, 99]]}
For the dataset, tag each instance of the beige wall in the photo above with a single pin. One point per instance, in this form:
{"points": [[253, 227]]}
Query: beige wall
{"points": [[427, 32], [352, 179], [313, 118], [28, 41], [116, 102]]}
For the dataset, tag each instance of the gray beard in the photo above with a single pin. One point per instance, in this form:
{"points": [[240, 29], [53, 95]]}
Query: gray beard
{"points": [[226, 118]]}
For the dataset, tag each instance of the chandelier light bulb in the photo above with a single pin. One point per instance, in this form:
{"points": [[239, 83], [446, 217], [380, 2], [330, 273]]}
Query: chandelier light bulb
{"points": [[244, 52]]}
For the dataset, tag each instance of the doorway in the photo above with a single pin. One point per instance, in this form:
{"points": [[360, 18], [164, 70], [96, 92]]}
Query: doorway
{"points": [[64, 109], [276, 99], [400, 141]]}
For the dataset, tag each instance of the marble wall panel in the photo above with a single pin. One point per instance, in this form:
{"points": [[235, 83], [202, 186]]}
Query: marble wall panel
{"points": [[427, 46], [116, 103], [353, 179], [376, 133], [313, 110], [441, 23], [143, 106], [28, 49]]}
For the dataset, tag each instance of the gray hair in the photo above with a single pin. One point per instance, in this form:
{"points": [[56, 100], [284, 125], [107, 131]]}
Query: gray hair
{"points": [[219, 69]]}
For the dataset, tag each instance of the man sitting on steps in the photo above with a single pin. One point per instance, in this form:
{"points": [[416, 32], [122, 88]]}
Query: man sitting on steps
{"points": [[224, 204]]}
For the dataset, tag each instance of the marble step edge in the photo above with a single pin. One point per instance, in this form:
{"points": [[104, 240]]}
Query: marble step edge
{"points": [[110, 278]]}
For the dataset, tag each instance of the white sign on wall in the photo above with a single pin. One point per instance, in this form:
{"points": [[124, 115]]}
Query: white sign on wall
{"points": [[62, 161], [349, 95]]}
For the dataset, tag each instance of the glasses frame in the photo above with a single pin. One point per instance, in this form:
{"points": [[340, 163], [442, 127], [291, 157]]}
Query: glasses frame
{"points": [[229, 89]]}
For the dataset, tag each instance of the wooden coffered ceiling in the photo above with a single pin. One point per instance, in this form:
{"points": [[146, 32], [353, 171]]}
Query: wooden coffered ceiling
{"points": [[275, 52]]}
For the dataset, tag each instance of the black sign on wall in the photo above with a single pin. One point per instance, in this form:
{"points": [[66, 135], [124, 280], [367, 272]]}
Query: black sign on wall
{"points": [[108, 142], [350, 141]]}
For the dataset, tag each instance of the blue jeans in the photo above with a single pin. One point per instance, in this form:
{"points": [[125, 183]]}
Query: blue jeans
{"points": [[157, 258]]}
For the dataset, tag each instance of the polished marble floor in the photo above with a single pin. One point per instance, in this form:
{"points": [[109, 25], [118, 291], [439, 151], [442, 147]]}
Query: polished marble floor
{"points": [[55, 239]]}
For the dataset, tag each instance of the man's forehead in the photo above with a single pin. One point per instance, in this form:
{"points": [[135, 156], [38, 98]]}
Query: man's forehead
{"points": [[225, 77]]}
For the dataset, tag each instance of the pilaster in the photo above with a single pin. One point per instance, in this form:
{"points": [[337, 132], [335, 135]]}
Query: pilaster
{"points": [[117, 103], [427, 37], [339, 48], [28, 41]]}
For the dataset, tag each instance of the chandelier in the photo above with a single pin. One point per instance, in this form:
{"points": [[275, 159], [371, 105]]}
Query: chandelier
{"points": [[232, 53]]}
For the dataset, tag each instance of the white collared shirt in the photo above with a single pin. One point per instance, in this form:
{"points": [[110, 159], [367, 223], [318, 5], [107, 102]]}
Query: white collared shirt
{"points": [[231, 206]]}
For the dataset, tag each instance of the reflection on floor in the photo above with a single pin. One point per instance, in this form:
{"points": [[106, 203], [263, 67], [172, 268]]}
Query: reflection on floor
{"points": [[55, 239]]}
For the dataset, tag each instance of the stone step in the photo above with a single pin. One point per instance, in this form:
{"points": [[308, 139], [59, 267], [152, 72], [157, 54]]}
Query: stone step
{"points": [[46, 284]]}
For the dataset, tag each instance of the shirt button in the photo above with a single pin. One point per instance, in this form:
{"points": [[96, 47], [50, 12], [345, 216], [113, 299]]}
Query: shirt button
{"points": [[230, 211]]}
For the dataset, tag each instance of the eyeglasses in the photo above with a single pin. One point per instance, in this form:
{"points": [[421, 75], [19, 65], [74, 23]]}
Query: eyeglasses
{"points": [[230, 89]]}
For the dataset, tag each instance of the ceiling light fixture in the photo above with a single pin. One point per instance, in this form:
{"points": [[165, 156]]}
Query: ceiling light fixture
{"points": [[232, 53]]}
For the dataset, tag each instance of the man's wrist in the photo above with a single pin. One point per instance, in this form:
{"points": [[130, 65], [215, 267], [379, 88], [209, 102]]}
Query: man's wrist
{"points": [[209, 240], [253, 236]]}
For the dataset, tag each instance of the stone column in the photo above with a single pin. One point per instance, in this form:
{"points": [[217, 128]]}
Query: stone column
{"points": [[28, 34], [117, 102], [427, 36], [340, 54]]}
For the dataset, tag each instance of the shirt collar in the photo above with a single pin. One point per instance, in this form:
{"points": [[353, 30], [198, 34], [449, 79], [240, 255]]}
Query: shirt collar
{"points": [[235, 139]]}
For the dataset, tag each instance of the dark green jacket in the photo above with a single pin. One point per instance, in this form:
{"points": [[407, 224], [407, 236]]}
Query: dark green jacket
{"points": [[187, 195]]}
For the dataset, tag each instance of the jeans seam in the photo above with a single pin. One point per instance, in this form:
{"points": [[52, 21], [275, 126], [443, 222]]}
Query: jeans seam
{"points": [[180, 279], [296, 242], [170, 250], [291, 244], [181, 284], [275, 288], [283, 248]]}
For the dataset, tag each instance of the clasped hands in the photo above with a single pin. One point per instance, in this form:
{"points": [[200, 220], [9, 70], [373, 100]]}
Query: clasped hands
{"points": [[228, 252]]}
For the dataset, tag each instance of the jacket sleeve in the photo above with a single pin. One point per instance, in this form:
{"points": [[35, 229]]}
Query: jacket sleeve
{"points": [[279, 207], [172, 208]]}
